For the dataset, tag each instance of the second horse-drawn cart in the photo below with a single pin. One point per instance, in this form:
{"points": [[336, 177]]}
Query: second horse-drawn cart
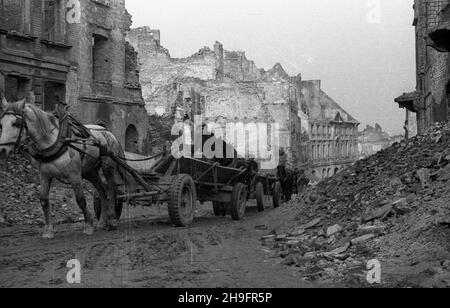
{"points": [[180, 183]]}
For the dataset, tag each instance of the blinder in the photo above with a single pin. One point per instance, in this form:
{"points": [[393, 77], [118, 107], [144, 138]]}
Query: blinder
{"points": [[19, 123]]}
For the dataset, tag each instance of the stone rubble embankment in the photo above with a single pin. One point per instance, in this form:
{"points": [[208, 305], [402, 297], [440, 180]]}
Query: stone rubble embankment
{"points": [[393, 207]]}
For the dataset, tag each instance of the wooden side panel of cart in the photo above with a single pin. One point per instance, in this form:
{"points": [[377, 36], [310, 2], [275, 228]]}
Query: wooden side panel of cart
{"points": [[225, 187]]}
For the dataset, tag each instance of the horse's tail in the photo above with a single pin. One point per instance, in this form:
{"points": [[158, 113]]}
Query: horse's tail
{"points": [[121, 174]]}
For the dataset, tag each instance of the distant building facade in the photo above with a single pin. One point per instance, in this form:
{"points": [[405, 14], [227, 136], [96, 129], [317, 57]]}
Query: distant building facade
{"points": [[430, 102], [75, 54], [333, 132], [373, 139]]}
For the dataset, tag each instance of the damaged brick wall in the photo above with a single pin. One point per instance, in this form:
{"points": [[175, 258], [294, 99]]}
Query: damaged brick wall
{"points": [[131, 67], [432, 67], [238, 67], [34, 57], [230, 87], [160, 73], [373, 139], [103, 83], [11, 13]]}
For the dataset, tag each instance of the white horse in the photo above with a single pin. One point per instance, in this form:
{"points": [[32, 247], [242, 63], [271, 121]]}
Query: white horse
{"points": [[25, 125]]}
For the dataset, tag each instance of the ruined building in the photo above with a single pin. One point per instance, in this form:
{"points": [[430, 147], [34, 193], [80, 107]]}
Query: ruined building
{"points": [[316, 132], [430, 102], [373, 139], [225, 85], [333, 132], [75, 52]]}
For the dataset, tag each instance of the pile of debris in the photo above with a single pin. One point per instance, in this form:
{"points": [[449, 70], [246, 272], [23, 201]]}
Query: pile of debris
{"points": [[160, 133], [19, 196], [393, 207]]}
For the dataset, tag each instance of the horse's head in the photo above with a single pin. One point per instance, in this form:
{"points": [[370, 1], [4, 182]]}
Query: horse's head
{"points": [[12, 126]]}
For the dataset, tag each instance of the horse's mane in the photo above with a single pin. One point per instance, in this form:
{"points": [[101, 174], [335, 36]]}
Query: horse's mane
{"points": [[46, 122]]}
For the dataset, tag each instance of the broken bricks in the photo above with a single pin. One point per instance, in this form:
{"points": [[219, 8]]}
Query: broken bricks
{"points": [[338, 251], [363, 239], [298, 232], [334, 230], [270, 237], [376, 229], [380, 213], [387, 185], [424, 176], [311, 224]]}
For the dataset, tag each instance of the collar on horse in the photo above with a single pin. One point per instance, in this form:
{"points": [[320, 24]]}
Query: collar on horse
{"points": [[59, 147]]}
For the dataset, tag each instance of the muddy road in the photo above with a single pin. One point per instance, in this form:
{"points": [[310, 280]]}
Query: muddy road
{"points": [[147, 251]]}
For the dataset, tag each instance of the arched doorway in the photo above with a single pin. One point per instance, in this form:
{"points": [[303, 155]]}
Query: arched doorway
{"points": [[336, 170], [131, 139]]}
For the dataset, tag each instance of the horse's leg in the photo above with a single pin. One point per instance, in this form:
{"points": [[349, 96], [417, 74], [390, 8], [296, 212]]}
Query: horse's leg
{"points": [[97, 182], [77, 186], [46, 182], [111, 191]]}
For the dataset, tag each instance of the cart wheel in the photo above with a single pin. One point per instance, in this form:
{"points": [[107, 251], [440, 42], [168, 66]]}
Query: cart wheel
{"points": [[183, 198], [238, 201], [220, 209], [260, 197], [277, 192], [98, 208]]}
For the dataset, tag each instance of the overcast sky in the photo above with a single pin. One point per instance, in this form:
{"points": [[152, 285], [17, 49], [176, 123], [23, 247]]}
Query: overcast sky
{"points": [[363, 58]]}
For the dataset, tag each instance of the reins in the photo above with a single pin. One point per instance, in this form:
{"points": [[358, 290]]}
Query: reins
{"points": [[31, 148], [69, 143]]}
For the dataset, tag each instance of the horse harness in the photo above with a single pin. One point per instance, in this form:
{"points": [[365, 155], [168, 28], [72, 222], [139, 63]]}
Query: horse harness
{"points": [[20, 123], [62, 143]]}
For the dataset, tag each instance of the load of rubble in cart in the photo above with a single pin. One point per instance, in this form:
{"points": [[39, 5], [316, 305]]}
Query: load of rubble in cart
{"points": [[181, 183]]}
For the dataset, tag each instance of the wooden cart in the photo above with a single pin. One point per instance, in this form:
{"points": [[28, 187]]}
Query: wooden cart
{"points": [[182, 182]]}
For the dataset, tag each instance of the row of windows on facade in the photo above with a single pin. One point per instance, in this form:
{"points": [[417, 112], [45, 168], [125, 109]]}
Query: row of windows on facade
{"points": [[433, 8], [328, 130], [14, 18], [18, 15], [340, 150]]}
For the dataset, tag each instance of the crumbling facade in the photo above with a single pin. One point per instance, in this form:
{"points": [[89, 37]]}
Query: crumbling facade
{"points": [[225, 85], [34, 52], [373, 139], [333, 132], [75, 52], [430, 102]]}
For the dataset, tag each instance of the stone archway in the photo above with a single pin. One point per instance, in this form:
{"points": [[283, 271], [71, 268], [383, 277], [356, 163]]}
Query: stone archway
{"points": [[132, 139]]}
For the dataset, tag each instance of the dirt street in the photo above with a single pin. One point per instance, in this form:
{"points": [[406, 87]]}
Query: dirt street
{"points": [[148, 252]]}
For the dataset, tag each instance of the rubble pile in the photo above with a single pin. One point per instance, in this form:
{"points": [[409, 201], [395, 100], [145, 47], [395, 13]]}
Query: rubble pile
{"points": [[393, 207], [160, 133], [19, 196]]}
